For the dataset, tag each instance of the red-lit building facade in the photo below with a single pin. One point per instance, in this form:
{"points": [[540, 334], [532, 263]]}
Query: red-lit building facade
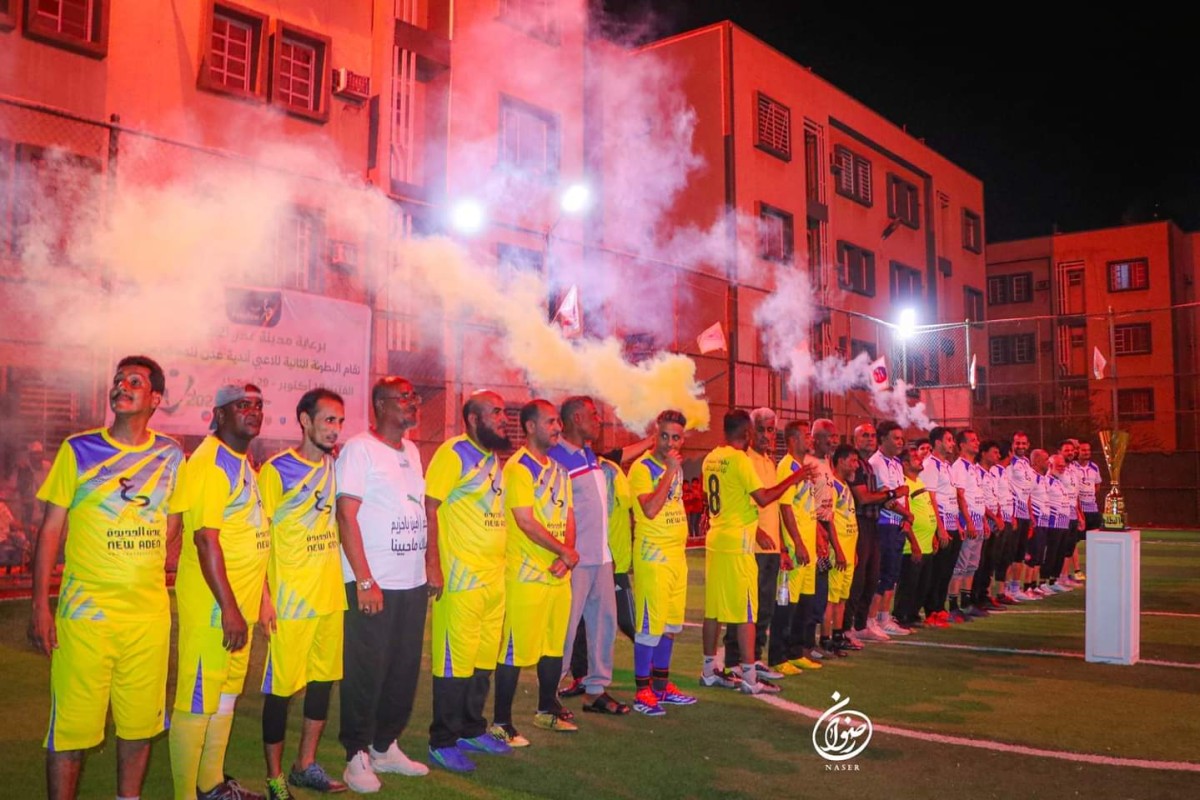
{"points": [[881, 221], [407, 96], [1054, 302]]}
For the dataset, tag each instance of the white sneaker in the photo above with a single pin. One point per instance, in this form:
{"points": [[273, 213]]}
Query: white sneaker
{"points": [[766, 672], [1020, 596], [359, 776], [890, 628], [870, 633], [1057, 588], [394, 760]]}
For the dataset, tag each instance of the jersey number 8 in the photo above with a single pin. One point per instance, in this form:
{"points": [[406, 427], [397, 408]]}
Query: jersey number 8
{"points": [[714, 495]]}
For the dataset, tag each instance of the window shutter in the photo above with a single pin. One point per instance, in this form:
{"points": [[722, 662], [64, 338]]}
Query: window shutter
{"points": [[862, 178]]}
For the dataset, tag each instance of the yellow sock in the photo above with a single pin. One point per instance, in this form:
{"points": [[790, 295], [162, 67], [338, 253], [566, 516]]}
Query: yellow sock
{"points": [[187, 743], [212, 758]]}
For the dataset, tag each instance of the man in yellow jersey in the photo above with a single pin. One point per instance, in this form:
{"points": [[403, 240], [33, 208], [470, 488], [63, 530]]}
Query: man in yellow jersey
{"points": [[735, 493], [465, 568], [120, 491], [659, 565], [766, 557], [304, 597], [845, 463], [218, 592], [539, 557], [381, 521], [916, 569], [800, 585]]}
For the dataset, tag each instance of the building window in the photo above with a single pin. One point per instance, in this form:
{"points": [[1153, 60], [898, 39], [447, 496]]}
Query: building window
{"points": [[1017, 348], [300, 78], [856, 269], [776, 235], [514, 258], [1128, 276], [1135, 403], [906, 283], [973, 304], [773, 134], [853, 175], [1131, 340], [1005, 289], [857, 347], [236, 41], [903, 203], [812, 163], [79, 25], [972, 231], [299, 248], [534, 17], [528, 138]]}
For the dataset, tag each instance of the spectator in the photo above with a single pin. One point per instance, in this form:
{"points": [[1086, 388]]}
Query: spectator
{"points": [[693, 506]]}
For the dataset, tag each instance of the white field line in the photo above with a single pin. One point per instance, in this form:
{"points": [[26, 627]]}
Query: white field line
{"points": [[999, 747]]}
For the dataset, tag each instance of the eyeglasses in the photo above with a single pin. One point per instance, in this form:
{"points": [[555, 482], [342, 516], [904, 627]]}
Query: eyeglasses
{"points": [[405, 397]]}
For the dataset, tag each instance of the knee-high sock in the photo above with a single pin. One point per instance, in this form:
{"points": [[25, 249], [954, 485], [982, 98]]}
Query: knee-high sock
{"points": [[506, 689], [549, 668], [212, 757], [186, 744], [662, 663], [643, 661]]}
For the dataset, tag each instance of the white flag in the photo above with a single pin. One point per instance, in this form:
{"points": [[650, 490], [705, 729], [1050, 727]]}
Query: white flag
{"points": [[972, 378], [1099, 362], [712, 339], [879, 374], [568, 317]]}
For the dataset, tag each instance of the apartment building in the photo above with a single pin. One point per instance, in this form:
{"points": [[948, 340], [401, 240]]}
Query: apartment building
{"points": [[880, 220], [1122, 295]]}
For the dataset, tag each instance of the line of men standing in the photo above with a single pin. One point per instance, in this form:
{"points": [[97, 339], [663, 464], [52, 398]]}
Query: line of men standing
{"points": [[335, 561]]}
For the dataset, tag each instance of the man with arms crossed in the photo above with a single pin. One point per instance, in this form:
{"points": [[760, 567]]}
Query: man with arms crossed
{"points": [[845, 524], [303, 599], [218, 593], [1021, 477], [735, 494], [120, 491], [540, 553], [464, 566], [659, 565], [893, 528], [381, 516]]}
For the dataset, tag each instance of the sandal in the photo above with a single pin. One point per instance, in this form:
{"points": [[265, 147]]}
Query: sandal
{"points": [[605, 704]]}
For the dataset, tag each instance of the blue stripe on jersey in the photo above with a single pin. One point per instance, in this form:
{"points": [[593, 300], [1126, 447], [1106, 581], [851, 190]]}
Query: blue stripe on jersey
{"points": [[578, 463], [230, 464], [198, 689], [90, 449], [291, 470], [469, 455], [656, 471], [530, 463]]}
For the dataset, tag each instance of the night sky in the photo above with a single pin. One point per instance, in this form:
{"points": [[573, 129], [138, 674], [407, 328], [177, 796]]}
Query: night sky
{"points": [[1078, 122]]}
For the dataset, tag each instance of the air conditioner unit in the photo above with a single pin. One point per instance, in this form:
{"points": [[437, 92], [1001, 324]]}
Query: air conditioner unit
{"points": [[343, 256], [351, 86]]}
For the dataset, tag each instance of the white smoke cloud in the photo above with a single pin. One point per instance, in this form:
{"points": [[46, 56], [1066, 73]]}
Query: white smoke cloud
{"points": [[785, 321]]}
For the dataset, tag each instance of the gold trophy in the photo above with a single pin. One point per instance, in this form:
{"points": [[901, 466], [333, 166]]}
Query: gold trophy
{"points": [[1114, 444]]}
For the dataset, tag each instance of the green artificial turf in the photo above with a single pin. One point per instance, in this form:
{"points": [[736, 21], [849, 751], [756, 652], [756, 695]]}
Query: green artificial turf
{"points": [[733, 746]]}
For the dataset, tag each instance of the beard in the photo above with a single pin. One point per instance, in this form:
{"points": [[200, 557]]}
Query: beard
{"points": [[492, 440]]}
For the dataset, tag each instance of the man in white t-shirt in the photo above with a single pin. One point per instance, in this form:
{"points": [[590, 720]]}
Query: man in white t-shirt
{"points": [[381, 519], [965, 477]]}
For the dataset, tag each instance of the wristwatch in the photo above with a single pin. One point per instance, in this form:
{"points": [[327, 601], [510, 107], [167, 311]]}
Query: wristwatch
{"points": [[366, 584]]}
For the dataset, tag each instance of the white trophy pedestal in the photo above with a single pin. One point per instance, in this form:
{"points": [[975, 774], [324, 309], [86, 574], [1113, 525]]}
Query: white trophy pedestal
{"points": [[1114, 597]]}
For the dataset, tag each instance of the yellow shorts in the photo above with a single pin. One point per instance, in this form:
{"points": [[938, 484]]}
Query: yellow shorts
{"points": [[99, 660], [303, 650], [466, 630], [839, 583], [659, 590], [536, 616], [206, 670], [730, 587]]}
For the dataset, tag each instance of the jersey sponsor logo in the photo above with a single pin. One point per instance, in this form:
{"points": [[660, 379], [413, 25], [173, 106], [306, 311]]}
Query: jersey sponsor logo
{"points": [[126, 488]]}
